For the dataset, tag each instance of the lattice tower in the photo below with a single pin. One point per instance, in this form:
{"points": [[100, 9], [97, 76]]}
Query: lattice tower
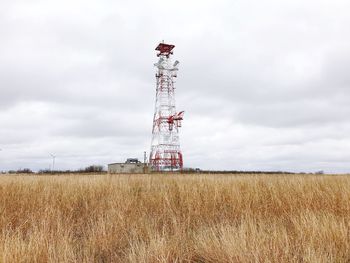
{"points": [[165, 148]]}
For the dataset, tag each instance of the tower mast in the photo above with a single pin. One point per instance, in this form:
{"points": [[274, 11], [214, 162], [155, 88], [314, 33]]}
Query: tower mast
{"points": [[165, 147]]}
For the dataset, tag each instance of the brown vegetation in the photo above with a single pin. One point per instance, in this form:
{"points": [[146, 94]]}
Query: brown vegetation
{"points": [[175, 218]]}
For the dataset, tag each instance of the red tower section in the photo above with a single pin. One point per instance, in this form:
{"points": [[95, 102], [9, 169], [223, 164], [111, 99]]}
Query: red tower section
{"points": [[165, 148], [164, 49]]}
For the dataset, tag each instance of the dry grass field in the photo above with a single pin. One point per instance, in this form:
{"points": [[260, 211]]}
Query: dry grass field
{"points": [[175, 218]]}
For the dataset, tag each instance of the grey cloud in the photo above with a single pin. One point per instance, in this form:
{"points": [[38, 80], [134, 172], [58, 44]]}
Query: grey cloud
{"points": [[264, 84]]}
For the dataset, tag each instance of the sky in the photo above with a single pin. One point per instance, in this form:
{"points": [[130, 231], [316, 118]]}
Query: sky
{"points": [[265, 85]]}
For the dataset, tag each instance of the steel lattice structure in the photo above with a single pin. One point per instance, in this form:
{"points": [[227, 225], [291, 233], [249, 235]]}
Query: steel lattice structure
{"points": [[165, 148]]}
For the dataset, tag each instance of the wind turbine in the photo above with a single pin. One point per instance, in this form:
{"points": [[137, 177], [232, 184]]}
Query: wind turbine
{"points": [[53, 162]]}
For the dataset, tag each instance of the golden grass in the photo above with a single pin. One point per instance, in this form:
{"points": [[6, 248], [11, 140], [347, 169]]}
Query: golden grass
{"points": [[175, 218]]}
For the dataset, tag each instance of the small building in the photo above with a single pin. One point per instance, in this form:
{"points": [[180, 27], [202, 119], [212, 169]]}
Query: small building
{"points": [[131, 166]]}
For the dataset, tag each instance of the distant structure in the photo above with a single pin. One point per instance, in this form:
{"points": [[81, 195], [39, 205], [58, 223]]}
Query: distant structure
{"points": [[165, 147], [53, 162], [131, 166]]}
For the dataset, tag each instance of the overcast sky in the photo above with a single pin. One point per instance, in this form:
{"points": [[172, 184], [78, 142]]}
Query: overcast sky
{"points": [[265, 85]]}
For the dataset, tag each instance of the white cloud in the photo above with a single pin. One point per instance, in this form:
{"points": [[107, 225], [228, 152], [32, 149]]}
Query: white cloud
{"points": [[264, 84]]}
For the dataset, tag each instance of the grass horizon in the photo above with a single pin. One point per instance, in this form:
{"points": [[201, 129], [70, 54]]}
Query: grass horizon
{"points": [[175, 218]]}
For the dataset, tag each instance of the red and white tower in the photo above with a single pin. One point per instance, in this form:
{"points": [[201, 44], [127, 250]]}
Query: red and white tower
{"points": [[165, 148]]}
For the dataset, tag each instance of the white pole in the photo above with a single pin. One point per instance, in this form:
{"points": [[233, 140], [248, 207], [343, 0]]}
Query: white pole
{"points": [[53, 162]]}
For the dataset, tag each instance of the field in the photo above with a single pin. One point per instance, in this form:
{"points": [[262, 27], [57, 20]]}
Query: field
{"points": [[175, 218]]}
